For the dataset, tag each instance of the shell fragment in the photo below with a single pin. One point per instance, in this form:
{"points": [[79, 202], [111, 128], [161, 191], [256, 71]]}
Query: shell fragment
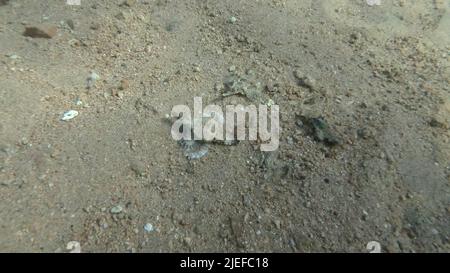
{"points": [[69, 115], [373, 2], [74, 247]]}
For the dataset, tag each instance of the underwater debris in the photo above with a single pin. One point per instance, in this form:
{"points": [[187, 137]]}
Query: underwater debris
{"points": [[197, 147], [245, 85], [194, 149], [320, 130]]}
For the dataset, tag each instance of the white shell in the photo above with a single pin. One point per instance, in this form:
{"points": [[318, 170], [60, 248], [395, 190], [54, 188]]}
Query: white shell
{"points": [[69, 115], [74, 247], [373, 2]]}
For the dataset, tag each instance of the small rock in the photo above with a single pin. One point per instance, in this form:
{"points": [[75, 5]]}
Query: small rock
{"points": [[92, 79], [232, 20], [78, 102], [128, 3], [117, 209], [172, 26], [187, 241], [290, 140], [193, 149], [148, 227], [13, 56], [219, 87], [71, 24], [138, 168], [24, 141], [277, 224], [365, 215], [305, 80], [74, 42], [309, 82], [298, 74], [322, 131], [434, 122], [177, 217], [95, 26], [365, 133], [120, 16], [373, 2], [124, 84], [41, 31]]}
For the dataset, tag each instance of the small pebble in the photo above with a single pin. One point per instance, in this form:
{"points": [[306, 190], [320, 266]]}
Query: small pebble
{"points": [[373, 2], [148, 227], [129, 3], [13, 56], [78, 102], [41, 31], [117, 209], [124, 84], [187, 241], [71, 24]]}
